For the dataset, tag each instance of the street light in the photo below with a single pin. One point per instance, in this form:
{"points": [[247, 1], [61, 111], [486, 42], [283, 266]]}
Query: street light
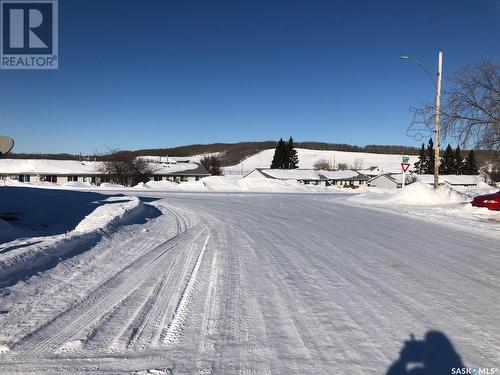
{"points": [[438, 107]]}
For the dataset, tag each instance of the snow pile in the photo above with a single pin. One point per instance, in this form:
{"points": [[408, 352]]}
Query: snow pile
{"points": [[224, 184], [109, 185], [415, 194], [419, 193], [114, 209], [227, 184], [79, 184], [158, 185], [25, 256]]}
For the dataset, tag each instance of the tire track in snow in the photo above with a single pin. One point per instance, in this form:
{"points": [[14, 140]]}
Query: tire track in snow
{"points": [[159, 304], [132, 277], [173, 331], [71, 272], [87, 313]]}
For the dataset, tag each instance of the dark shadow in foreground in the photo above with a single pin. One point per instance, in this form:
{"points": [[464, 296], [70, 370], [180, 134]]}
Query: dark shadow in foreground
{"points": [[434, 355]]}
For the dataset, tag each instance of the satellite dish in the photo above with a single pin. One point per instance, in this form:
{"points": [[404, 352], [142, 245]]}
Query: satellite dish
{"points": [[6, 144]]}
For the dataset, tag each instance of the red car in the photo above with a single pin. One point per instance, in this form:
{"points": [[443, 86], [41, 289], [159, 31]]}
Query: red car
{"points": [[492, 201]]}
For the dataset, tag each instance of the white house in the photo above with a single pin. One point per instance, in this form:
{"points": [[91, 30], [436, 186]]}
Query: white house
{"points": [[385, 181], [63, 171], [346, 177], [349, 178], [452, 180], [393, 180]]}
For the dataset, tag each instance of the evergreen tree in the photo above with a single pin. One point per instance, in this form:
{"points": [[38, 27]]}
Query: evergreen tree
{"points": [[430, 157], [279, 155], [471, 164], [420, 166], [459, 161], [292, 160], [448, 162]]}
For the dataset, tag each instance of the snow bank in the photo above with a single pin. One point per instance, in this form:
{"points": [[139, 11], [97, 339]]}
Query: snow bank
{"points": [[415, 194], [230, 184], [115, 209], [419, 193], [79, 184], [108, 185], [23, 257], [445, 206]]}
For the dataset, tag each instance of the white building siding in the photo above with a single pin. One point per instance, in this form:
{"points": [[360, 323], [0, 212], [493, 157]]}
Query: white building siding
{"points": [[384, 182]]}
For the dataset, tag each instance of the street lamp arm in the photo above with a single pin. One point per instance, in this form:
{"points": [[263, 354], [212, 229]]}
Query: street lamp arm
{"points": [[429, 74]]}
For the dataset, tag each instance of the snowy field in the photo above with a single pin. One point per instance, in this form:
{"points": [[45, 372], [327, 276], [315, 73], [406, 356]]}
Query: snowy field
{"points": [[307, 158], [149, 281]]}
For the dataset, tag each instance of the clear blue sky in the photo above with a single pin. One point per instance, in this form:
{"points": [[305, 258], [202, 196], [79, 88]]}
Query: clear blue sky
{"points": [[157, 73]]}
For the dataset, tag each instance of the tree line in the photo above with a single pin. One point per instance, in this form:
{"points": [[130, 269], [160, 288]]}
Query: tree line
{"points": [[451, 161]]}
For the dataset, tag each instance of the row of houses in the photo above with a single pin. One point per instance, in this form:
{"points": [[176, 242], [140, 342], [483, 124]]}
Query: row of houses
{"points": [[177, 169], [311, 177], [63, 171], [373, 177]]}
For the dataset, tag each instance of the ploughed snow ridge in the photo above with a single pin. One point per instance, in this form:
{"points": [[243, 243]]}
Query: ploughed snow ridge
{"points": [[415, 193], [23, 256]]}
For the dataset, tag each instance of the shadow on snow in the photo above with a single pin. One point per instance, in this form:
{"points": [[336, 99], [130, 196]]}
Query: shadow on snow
{"points": [[434, 355]]}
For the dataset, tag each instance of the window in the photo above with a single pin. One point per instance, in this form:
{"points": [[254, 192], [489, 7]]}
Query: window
{"points": [[24, 178], [184, 178], [72, 178], [49, 178], [158, 178]]}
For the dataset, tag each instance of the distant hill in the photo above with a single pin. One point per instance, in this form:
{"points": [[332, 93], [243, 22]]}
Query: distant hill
{"points": [[336, 159], [231, 153]]}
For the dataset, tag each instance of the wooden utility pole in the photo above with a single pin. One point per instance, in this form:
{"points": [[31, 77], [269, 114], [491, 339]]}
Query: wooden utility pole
{"points": [[438, 110]]}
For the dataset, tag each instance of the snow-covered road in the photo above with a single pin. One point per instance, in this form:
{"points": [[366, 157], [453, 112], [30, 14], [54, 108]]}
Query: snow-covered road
{"points": [[256, 284]]}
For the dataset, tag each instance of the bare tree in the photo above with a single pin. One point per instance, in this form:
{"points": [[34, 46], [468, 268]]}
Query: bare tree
{"points": [[357, 164], [323, 165], [125, 170], [471, 108], [212, 164]]}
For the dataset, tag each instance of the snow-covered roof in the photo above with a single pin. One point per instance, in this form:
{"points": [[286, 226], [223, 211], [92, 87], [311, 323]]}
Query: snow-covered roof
{"points": [[41, 166], [292, 174], [451, 179], [75, 167], [341, 175], [372, 171]]}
